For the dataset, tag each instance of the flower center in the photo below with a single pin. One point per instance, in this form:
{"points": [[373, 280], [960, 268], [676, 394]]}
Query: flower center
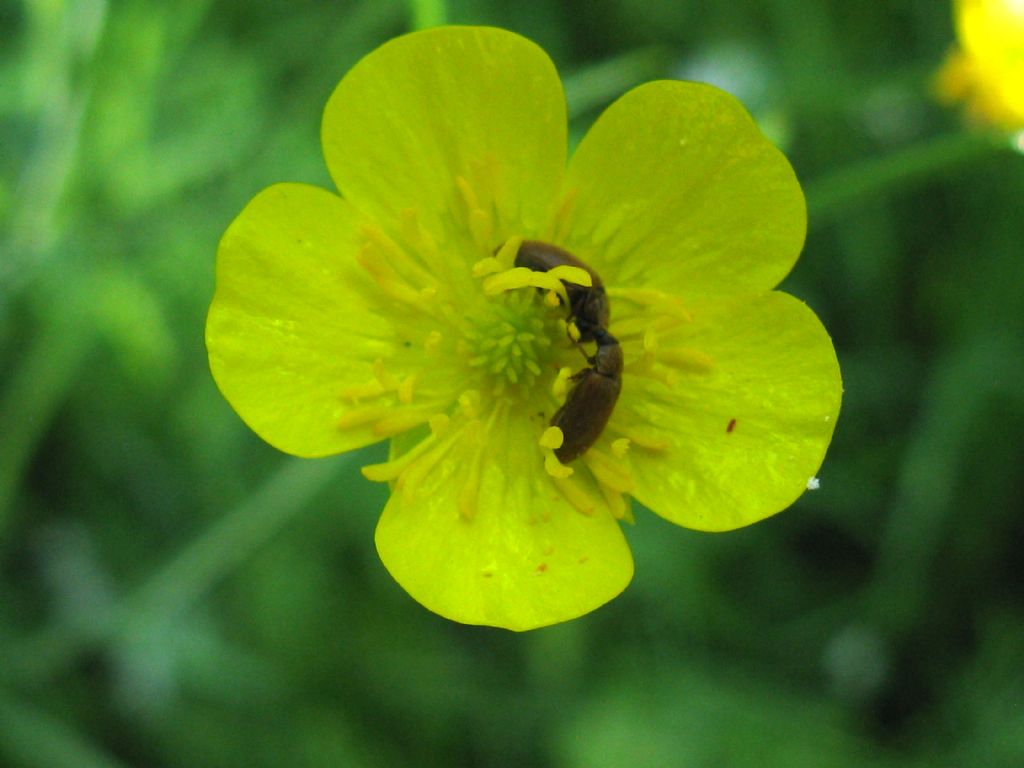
{"points": [[511, 344]]}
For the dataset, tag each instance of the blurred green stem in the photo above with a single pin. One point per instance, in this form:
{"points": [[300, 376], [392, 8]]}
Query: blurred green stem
{"points": [[962, 383], [35, 739], [188, 576], [37, 387], [428, 13], [601, 83], [836, 193]]}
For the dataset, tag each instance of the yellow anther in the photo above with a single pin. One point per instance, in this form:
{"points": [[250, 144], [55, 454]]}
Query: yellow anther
{"points": [[469, 500], [389, 470], [561, 220], [360, 417], [397, 422], [561, 383], [509, 280], [396, 256], [616, 502], [620, 447], [552, 438], [405, 389], [506, 256], [481, 225], [469, 403], [469, 495], [487, 266], [650, 340], [468, 195], [572, 274], [608, 472], [687, 359], [432, 342], [648, 441], [555, 468], [576, 496], [360, 391], [439, 423], [386, 380], [551, 299]]}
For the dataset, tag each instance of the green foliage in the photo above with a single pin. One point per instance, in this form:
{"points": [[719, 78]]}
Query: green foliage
{"points": [[175, 593]]}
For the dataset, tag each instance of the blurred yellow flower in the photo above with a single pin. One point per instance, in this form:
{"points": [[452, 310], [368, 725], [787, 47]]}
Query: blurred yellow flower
{"points": [[986, 71], [394, 311]]}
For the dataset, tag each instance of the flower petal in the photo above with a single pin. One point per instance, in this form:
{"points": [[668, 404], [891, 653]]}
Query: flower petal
{"points": [[675, 185], [740, 439], [524, 557], [426, 109], [287, 331]]}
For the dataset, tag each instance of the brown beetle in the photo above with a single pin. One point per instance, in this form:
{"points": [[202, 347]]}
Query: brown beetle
{"points": [[588, 306], [591, 400], [595, 390]]}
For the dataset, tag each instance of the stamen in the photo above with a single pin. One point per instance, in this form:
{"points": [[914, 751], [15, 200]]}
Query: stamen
{"points": [[360, 417], [389, 470], [554, 467], [358, 392], [551, 439], [651, 299], [386, 380], [413, 233], [620, 447], [617, 502], [561, 219], [506, 255], [469, 495], [576, 496], [405, 389], [688, 359], [433, 342], [523, 277], [388, 280], [608, 472], [469, 403], [410, 479], [481, 223], [397, 257], [641, 439], [572, 274], [560, 385], [487, 266], [397, 422], [439, 423]]}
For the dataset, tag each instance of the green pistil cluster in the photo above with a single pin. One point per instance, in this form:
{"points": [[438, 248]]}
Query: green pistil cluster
{"points": [[511, 344]]}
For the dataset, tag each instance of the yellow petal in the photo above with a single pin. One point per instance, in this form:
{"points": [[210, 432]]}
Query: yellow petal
{"points": [[739, 440], [290, 328], [447, 120], [675, 186], [989, 73], [495, 543], [991, 29]]}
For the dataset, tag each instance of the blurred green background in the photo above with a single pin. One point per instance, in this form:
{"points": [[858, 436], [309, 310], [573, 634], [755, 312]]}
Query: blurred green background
{"points": [[173, 592]]}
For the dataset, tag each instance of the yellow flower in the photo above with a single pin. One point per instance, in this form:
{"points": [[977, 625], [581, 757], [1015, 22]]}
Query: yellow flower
{"points": [[987, 71], [395, 311]]}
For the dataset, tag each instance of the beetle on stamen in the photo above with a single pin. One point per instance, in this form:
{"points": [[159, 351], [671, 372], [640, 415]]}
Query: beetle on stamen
{"points": [[591, 400], [588, 306]]}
